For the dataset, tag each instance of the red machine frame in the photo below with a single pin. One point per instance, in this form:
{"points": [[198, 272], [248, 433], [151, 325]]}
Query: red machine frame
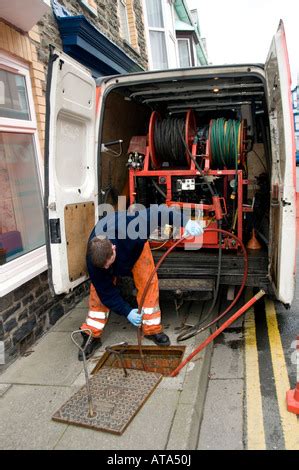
{"points": [[210, 240]]}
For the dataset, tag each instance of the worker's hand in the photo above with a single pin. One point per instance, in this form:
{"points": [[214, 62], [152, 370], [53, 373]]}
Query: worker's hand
{"points": [[193, 228], [134, 317]]}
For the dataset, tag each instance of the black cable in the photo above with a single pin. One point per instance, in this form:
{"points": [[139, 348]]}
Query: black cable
{"points": [[158, 188], [194, 329], [168, 143], [212, 191]]}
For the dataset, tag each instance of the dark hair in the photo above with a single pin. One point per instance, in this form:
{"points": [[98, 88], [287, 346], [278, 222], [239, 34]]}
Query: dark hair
{"points": [[99, 250]]}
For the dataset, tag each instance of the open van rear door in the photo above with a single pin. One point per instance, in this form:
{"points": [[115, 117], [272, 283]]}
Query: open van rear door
{"points": [[70, 170], [283, 180]]}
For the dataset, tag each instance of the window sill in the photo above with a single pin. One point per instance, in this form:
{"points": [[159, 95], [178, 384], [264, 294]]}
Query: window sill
{"points": [[21, 270], [136, 51]]}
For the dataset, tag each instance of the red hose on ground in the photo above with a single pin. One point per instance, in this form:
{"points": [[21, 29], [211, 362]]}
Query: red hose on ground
{"points": [[245, 275], [218, 331], [218, 230]]}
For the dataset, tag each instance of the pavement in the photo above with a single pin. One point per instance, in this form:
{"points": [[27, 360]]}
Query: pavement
{"points": [[36, 385], [253, 366]]}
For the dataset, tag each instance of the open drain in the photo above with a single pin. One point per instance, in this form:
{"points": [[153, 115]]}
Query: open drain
{"points": [[161, 360]]}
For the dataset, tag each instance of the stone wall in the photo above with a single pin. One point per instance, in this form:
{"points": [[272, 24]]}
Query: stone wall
{"points": [[29, 311], [107, 22]]}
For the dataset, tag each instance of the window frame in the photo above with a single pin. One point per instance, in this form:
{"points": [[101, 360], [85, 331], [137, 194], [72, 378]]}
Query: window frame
{"points": [[164, 30], [187, 39], [124, 3], [20, 270]]}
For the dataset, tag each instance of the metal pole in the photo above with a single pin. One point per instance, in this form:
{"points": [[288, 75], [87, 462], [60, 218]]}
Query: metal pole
{"points": [[91, 412], [217, 332]]}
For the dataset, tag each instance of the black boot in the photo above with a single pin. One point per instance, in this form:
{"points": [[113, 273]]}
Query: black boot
{"points": [[161, 339], [93, 345]]}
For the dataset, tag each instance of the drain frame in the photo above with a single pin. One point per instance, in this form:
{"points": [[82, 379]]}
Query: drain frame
{"points": [[109, 359]]}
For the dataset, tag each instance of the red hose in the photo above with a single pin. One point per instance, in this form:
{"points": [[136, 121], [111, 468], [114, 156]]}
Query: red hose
{"points": [[161, 260], [245, 275], [218, 331], [146, 289]]}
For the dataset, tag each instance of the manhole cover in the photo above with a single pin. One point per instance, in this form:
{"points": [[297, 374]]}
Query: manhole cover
{"points": [[162, 360], [116, 400]]}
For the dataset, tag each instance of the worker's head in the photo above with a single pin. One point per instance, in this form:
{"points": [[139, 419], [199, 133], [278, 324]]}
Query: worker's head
{"points": [[102, 252]]}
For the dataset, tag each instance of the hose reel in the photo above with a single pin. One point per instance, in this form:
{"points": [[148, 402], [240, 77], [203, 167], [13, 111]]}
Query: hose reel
{"points": [[165, 142], [227, 143]]}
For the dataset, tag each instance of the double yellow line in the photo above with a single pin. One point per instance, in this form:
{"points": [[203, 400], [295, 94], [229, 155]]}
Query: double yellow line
{"points": [[255, 419]]}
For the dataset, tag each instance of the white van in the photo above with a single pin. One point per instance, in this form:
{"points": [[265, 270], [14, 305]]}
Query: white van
{"points": [[84, 113]]}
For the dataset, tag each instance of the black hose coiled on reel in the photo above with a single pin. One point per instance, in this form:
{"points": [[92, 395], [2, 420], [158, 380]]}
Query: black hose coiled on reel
{"points": [[168, 141]]}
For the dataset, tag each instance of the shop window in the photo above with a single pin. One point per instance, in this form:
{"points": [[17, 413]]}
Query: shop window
{"points": [[21, 209], [123, 18]]}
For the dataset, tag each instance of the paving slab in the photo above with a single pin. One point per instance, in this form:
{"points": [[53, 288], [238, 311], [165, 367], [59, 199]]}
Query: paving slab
{"points": [[53, 362], [4, 388], [148, 430], [185, 428], [222, 424], [227, 359], [26, 412]]}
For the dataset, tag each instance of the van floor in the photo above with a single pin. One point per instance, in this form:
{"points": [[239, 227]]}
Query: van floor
{"points": [[204, 264]]}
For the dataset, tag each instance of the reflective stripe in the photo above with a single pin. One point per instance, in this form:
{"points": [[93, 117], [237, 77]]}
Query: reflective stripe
{"points": [[98, 315], [149, 311], [96, 324], [154, 321]]}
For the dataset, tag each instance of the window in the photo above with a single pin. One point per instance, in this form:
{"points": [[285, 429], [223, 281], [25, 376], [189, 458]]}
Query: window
{"points": [[157, 38], [21, 210], [123, 17], [184, 52], [90, 6]]}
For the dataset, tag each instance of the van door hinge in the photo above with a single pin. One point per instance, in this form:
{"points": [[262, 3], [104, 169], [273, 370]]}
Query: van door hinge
{"points": [[285, 203], [55, 235]]}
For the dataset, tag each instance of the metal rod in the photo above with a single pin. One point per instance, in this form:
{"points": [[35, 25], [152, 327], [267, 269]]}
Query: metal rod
{"points": [[217, 332], [119, 354], [91, 412]]}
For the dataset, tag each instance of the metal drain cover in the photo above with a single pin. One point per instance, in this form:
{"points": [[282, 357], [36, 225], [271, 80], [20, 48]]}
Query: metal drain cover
{"points": [[116, 400]]}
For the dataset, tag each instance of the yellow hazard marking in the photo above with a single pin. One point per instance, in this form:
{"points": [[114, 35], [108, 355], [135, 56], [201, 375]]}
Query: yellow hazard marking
{"points": [[255, 420], [289, 421]]}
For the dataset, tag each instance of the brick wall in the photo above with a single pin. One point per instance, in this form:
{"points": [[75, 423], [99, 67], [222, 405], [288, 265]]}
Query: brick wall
{"points": [[30, 310]]}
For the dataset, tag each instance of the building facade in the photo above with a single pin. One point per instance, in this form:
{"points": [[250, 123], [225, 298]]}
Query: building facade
{"points": [[106, 36], [173, 35]]}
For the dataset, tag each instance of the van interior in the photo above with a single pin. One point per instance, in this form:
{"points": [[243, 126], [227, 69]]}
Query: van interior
{"points": [[141, 113]]}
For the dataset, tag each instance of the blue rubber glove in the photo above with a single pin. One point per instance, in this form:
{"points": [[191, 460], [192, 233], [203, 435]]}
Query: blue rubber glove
{"points": [[134, 317], [193, 228]]}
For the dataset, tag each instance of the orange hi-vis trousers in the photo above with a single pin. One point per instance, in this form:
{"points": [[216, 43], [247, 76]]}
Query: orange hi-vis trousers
{"points": [[151, 320]]}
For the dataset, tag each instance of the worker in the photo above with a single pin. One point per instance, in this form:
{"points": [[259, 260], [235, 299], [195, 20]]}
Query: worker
{"points": [[114, 250]]}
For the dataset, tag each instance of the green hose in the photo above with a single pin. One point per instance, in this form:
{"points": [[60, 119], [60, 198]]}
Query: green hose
{"points": [[224, 143]]}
